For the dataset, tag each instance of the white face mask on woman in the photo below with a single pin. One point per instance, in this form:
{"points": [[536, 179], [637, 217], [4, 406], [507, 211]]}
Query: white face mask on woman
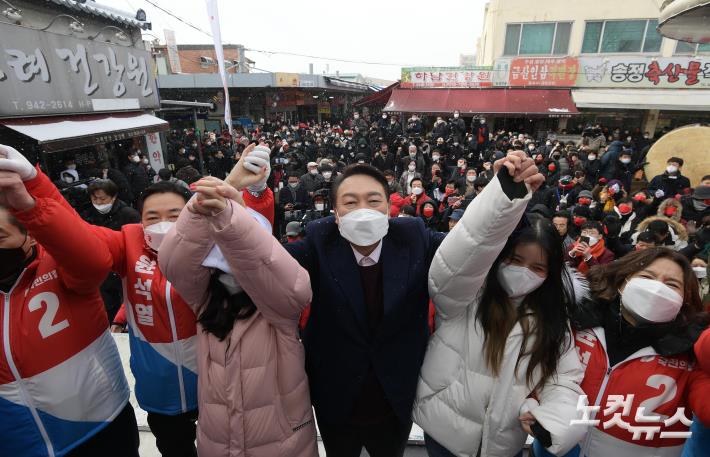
{"points": [[651, 300], [518, 281], [363, 227]]}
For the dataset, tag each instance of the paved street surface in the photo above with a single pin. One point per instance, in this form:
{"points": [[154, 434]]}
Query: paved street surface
{"points": [[148, 448]]}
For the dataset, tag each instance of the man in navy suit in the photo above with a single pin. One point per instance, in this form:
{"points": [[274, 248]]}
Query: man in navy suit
{"points": [[367, 332]]}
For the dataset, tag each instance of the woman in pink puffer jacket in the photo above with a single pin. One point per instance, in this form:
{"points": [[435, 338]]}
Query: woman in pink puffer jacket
{"points": [[252, 387]]}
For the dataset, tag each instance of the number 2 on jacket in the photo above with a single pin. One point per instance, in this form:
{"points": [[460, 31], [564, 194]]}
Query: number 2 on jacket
{"points": [[669, 392], [51, 301]]}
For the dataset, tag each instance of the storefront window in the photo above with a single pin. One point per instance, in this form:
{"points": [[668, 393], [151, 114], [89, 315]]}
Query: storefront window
{"points": [[683, 48], [512, 39], [653, 40], [549, 38], [621, 36], [537, 39], [562, 38], [592, 35]]}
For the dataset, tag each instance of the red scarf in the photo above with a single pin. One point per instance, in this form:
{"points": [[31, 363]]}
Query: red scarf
{"points": [[597, 251]]}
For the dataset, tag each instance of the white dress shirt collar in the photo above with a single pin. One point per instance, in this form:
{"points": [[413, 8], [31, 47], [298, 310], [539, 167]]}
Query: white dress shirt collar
{"points": [[369, 260]]}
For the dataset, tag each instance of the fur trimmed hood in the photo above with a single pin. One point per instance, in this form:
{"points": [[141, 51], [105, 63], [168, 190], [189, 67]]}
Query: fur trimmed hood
{"points": [[678, 229], [671, 203]]}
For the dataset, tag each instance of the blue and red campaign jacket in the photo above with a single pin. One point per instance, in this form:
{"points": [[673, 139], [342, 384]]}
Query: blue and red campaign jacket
{"points": [[61, 379]]}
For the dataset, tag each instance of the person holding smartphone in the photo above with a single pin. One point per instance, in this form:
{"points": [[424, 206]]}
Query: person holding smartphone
{"points": [[590, 248]]}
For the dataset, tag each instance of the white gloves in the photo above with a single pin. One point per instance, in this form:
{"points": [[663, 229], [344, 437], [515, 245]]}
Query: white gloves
{"points": [[255, 162], [12, 160], [659, 193]]}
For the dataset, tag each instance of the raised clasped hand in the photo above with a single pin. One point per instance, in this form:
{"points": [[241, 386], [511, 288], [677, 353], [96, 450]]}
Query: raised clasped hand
{"points": [[249, 170], [212, 195], [522, 168]]}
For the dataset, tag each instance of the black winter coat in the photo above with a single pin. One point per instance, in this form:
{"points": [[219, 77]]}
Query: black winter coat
{"points": [[137, 178], [120, 215]]}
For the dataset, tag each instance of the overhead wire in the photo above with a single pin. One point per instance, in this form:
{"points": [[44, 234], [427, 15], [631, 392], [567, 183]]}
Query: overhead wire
{"points": [[170, 13], [336, 59], [287, 53]]}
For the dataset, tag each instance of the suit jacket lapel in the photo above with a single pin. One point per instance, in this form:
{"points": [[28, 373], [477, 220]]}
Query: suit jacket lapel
{"points": [[347, 276]]}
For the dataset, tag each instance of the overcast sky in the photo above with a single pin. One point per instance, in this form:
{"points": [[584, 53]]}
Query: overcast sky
{"points": [[382, 31]]}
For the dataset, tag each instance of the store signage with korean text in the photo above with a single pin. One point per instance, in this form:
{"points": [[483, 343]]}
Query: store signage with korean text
{"points": [[644, 72], [155, 150], [446, 77], [607, 72], [543, 72], [323, 108], [44, 73], [118, 136]]}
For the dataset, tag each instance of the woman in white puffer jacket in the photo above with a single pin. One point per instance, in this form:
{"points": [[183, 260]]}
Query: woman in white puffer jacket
{"points": [[501, 363]]}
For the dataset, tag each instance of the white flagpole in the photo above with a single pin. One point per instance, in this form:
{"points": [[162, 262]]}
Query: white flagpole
{"points": [[213, 14]]}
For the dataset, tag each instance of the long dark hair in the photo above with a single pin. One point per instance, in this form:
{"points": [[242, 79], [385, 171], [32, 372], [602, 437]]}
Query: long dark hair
{"points": [[223, 309], [550, 305]]}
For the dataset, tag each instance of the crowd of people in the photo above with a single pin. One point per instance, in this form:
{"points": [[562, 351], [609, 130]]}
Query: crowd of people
{"points": [[486, 285]]}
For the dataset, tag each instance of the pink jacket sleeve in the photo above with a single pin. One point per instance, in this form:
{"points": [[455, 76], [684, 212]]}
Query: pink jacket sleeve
{"points": [[279, 287], [181, 255]]}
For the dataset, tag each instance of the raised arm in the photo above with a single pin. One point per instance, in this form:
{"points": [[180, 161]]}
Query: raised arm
{"points": [[36, 182], [82, 259], [276, 283], [181, 255], [40, 187], [279, 287], [460, 265]]}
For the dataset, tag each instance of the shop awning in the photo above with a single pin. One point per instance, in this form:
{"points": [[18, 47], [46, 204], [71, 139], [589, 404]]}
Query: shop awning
{"points": [[379, 98], [661, 99], [545, 102], [187, 104], [60, 133]]}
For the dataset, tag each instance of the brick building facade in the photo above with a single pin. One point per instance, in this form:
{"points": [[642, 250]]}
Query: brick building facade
{"points": [[201, 58]]}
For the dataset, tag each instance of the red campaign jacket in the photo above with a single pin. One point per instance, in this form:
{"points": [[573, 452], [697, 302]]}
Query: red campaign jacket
{"points": [[61, 379], [399, 202], [660, 384], [263, 204], [162, 326], [702, 351]]}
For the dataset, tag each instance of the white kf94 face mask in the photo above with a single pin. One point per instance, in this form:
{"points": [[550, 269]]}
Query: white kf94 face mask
{"points": [[363, 227], [154, 234], [103, 209], [651, 300], [518, 281]]}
